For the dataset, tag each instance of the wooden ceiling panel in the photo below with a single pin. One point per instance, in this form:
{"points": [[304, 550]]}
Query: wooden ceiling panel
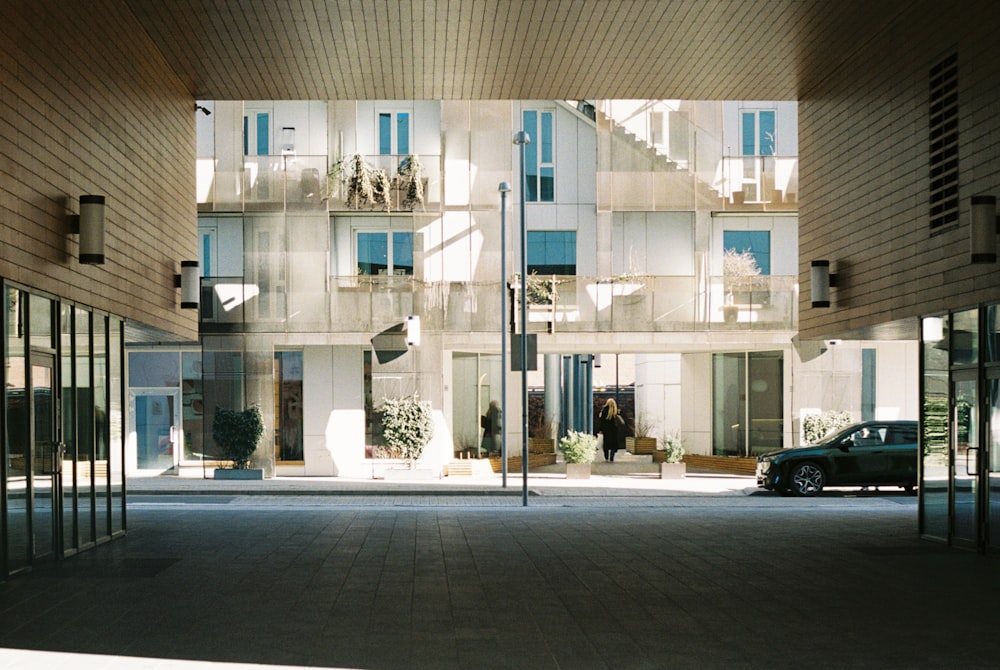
{"points": [[508, 49]]}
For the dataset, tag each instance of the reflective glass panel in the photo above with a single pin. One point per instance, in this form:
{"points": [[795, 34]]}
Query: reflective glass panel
{"points": [[116, 444], [84, 426], [288, 406], [70, 532], [936, 429], [152, 369], [102, 498], [17, 434], [965, 337]]}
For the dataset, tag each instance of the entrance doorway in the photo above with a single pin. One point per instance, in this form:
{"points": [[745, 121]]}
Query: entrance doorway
{"points": [[45, 487], [157, 433]]}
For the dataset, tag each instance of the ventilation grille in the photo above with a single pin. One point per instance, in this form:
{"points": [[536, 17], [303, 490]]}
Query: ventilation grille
{"points": [[944, 143]]}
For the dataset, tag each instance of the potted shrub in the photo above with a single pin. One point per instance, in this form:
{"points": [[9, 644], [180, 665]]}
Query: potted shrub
{"points": [[407, 427], [670, 458], [237, 434], [641, 442], [411, 182], [579, 451]]}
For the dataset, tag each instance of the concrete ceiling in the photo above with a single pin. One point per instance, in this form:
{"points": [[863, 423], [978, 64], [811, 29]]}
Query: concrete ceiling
{"points": [[509, 49]]}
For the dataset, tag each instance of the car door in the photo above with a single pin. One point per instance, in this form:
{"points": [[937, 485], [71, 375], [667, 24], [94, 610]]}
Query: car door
{"points": [[860, 458], [901, 450]]}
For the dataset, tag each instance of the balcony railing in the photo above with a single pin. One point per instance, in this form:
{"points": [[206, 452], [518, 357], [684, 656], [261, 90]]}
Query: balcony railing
{"points": [[291, 182], [575, 305]]}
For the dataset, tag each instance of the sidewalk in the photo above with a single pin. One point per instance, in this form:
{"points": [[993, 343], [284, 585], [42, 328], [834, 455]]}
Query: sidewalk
{"points": [[544, 482]]}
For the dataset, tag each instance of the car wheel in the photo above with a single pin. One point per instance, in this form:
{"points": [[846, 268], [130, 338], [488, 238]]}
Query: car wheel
{"points": [[807, 479]]}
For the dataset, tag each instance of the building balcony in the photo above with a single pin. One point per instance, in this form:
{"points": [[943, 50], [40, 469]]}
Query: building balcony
{"points": [[296, 183], [564, 304]]}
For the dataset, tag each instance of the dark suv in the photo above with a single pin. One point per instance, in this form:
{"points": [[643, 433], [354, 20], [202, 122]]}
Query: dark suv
{"points": [[873, 453]]}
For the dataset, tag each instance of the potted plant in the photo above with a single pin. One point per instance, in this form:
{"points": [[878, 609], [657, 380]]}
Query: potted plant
{"points": [[641, 442], [237, 434], [407, 427], [738, 271], [670, 458], [579, 451]]}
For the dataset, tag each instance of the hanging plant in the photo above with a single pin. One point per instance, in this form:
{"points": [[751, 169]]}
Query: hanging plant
{"points": [[360, 188], [411, 182], [380, 190]]}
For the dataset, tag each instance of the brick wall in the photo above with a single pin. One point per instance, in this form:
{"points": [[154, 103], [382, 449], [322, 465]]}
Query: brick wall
{"points": [[88, 106], [865, 185]]}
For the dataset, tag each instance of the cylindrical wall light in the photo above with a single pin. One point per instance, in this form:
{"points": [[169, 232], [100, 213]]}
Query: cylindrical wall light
{"points": [[820, 282], [92, 229], [189, 285], [983, 229]]}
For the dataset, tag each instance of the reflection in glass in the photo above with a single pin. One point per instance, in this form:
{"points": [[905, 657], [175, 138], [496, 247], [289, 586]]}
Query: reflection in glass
{"points": [[748, 403], [965, 338], [935, 423], [84, 426], [966, 451], [69, 522], [43, 460], [288, 406], [116, 445], [101, 492], [17, 435], [993, 387]]}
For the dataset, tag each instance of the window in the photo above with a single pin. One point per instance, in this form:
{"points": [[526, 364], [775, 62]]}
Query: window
{"points": [[757, 130], [288, 406], [757, 242], [385, 253], [748, 403], [394, 133], [539, 165], [256, 133], [552, 252]]}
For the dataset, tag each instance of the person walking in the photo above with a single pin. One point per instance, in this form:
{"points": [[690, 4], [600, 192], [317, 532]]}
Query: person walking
{"points": [[612, 427], [490, 423]]}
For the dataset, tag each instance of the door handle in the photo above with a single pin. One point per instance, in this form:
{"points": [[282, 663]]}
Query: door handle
{"points": [[975, 470]]}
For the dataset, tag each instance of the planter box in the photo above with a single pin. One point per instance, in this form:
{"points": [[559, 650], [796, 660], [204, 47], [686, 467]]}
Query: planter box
{"points": [[541, 445], [229, 473], [730, 465], [672, 470], [514, 462], [578, 471], [640, 445], [408, 474]]}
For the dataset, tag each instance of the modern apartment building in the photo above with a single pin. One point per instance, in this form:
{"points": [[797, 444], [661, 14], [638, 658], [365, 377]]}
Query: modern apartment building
{"points": [[630, 208]]}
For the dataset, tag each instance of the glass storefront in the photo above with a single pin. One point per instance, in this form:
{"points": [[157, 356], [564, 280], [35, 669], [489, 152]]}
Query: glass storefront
{"points": [[748, 400], [960, 419], [63, 447]]}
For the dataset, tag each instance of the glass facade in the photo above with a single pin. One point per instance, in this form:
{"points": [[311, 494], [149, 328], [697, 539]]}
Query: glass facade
{"points": [[748, 402], [539, 156], [63, 446], [552, 252], [960, 422]]}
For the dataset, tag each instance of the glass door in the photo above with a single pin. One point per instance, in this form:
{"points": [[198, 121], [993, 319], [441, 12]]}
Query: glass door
{"points": [[157, 429], [966, 461], [46, 458], [992, 469]]}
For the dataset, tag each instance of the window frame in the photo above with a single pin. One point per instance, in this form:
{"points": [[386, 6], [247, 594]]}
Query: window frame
{"points": [[540, 162], [394, 125]]}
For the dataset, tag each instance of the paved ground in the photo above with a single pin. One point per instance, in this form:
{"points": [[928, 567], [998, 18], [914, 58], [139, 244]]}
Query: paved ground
{"points": [[703, 573]]}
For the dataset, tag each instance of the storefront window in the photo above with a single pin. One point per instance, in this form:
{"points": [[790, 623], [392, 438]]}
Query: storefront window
{"points": [[934, 420], [748, 398], [288, 406]]}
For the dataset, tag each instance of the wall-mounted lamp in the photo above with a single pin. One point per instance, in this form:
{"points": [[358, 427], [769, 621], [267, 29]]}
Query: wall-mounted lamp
{"points": [[983, 229], [413, 331], [201, 108], [187, 282], [89, 225], [821, 280]]}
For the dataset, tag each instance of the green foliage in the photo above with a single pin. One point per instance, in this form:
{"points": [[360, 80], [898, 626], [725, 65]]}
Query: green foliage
{"points": [[407, 425], [237, 434], [673, 449], [412, 184], [578, 447], [935, 423], [817, 426]]}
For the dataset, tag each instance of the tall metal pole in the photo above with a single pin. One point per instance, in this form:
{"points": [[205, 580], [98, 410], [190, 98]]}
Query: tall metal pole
{"points": [[504, 190], [522, 139]]}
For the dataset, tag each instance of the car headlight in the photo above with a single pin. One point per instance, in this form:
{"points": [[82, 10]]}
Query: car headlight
{"points": [[763, 466]]}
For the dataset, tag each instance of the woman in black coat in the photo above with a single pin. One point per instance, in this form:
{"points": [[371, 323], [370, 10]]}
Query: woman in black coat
{"points": [[611, 425]]}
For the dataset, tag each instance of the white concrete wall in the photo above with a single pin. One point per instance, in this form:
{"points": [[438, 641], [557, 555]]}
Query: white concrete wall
{"points": [[658, 393], [333, 412]]}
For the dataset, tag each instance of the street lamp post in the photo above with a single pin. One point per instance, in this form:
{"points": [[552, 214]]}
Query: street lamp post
{"points": [[522, 139], [504, 190]]}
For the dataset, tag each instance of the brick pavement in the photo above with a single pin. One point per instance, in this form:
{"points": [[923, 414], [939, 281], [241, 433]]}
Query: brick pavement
{"points": [[584, 579]]}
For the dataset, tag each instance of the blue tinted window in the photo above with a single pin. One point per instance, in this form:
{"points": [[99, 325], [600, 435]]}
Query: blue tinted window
{"points": [[263, 135], [403, 133], [749, 133], [552, 252], [757, 242], [531, 157], [385, 133], [402, 253], [373, 253], [767, 133], [546, 137]]}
